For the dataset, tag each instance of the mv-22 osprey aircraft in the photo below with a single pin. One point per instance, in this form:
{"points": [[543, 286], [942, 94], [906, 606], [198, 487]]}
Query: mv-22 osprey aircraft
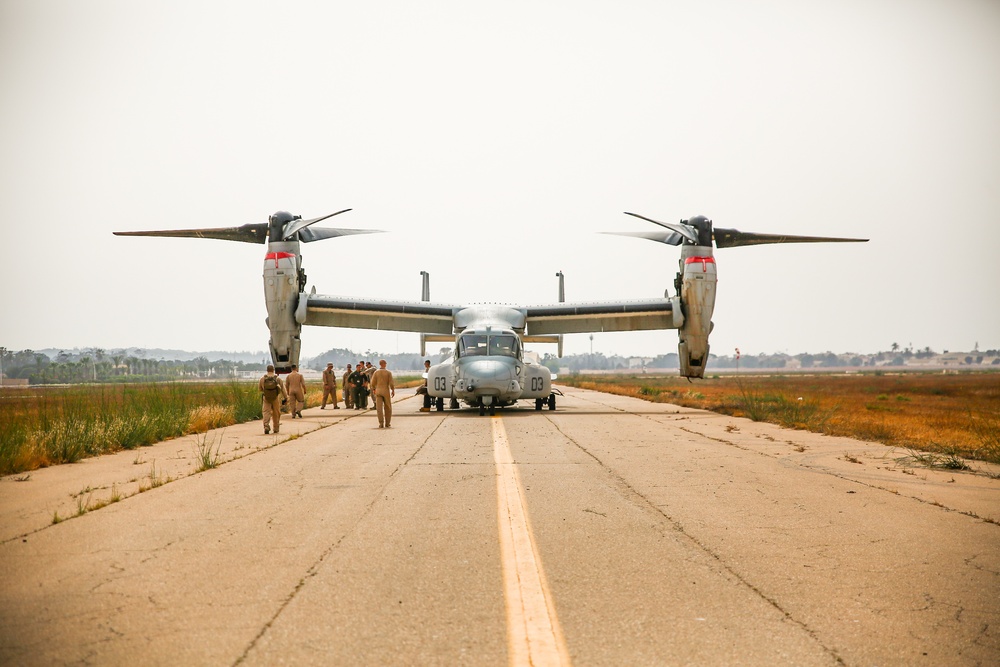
{"points": [[487, 368]]}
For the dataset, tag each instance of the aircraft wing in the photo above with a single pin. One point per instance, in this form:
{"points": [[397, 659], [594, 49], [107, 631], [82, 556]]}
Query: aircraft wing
{"points": [[354, 313], [436, 318], [563, 318]]}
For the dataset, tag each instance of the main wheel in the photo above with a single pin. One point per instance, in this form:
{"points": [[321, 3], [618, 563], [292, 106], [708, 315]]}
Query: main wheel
{"points": [[482, 409], [453, 404], [439, 403], [538, 403], [552, 401], [493, 409]]}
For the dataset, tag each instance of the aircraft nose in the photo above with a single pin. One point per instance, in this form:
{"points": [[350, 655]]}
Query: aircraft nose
{"points": [[488, 369]]}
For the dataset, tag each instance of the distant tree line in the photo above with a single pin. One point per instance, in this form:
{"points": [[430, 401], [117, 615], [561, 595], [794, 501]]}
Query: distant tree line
{"points": [[599, 362], [99, 365], [400, 362]]}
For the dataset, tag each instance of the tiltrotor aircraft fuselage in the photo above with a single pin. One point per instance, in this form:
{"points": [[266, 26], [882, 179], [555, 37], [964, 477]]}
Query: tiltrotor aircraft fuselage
{"points": [[487, 368]]}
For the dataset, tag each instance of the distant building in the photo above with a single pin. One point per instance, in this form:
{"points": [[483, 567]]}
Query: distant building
{"points": [[639, 362], [12, 382]]}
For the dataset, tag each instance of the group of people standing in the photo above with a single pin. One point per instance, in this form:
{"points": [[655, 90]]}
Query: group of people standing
{"points": [[367, 380], [358, 384]]}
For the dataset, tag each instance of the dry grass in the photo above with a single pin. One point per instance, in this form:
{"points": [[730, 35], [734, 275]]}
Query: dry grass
{"points": [[953, 414], [206, 417]]}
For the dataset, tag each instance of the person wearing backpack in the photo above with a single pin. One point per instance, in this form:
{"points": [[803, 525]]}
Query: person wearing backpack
{"points": [[272, 393]]}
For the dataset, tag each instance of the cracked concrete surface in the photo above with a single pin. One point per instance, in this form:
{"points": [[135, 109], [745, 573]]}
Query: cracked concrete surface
{"points": [[668, 535]]}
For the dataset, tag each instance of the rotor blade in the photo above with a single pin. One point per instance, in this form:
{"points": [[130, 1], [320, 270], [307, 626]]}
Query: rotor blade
{"points": [[670, 238], [684, 230], [320, 233], [297, 225], [245, 234], [731, 238]]}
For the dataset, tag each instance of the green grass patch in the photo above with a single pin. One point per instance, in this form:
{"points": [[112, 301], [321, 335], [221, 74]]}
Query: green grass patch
{"points": [[43, 426]]}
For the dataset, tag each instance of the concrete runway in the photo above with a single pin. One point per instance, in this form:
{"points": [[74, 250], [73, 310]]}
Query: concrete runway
{"points": [[611, 531]]}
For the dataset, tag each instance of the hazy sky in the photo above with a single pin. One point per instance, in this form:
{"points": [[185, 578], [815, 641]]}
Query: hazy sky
{"points": [[494, 140]]}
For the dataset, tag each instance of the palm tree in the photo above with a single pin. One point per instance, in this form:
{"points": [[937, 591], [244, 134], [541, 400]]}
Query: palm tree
{"points": [[85, 362]]}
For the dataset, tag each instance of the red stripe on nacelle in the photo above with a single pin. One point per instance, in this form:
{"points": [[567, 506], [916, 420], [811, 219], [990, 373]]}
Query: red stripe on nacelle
{"points": [[278, 255], [704, 261]]}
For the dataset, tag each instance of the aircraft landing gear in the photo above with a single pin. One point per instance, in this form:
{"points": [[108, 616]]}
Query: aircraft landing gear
{"points": [[487, 402], [552, 402], [439, 403], [453, 404], [539, 402]]}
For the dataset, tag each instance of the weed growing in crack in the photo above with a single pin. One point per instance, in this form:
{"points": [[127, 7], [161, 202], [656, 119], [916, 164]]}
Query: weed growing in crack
{"points": [[115, 496], [206, 456], [155, 479], [82, 506], [942, 460]]}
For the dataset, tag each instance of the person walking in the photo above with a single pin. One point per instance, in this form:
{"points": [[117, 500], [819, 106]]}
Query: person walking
{"points": [[329, 386], [348, 394], [383, 390], [295, 387], [272, 392], [423, 390]]}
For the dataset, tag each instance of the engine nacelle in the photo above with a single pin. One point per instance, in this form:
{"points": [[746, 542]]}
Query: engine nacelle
{"points": [[281, 295], [698, 282]]}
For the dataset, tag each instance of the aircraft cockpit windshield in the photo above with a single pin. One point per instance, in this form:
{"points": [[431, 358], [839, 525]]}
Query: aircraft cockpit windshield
{"points": [[502, 345]]}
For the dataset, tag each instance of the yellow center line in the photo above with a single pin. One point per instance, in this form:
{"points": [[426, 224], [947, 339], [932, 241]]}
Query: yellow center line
{"points": [[533, 633]]}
